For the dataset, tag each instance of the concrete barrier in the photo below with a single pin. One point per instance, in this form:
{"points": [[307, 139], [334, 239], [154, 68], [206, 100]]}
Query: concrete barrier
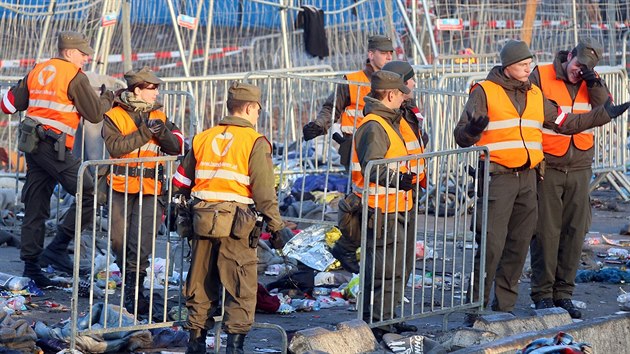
{"points": [[605, 334], [352, 336]]}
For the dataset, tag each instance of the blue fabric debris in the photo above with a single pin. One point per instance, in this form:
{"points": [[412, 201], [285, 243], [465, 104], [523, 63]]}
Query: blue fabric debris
{"points": [[605, 275], [336, 183]]}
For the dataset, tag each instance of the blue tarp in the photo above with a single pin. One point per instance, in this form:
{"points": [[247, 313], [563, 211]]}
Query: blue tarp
{"points": [[231, 13]]}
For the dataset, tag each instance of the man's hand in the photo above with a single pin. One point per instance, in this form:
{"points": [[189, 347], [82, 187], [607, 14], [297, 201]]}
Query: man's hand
{"points": [[107, 94], [589, 76], [312, 130], [156, 126], [280, 238], [476, 125], [404, 181], [615, 111]]}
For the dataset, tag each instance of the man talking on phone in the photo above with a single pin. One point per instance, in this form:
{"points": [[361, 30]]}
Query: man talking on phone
{"points": [[564, 209]]}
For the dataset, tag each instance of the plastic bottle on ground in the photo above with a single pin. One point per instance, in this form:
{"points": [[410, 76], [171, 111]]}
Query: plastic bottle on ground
{"points": [[12, 282]]}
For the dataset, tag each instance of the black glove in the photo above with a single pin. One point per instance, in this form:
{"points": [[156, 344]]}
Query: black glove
{"points": [[312, 130], [280, 238], [404, 181], [476, 125], [107, 94], [615, 111], [589, 76], [156, 126]]}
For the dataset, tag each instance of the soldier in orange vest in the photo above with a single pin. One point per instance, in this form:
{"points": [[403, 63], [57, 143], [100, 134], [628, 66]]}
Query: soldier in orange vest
{"points": [[389, 197], [55, 94], [229, 174], [411, 129], [347, 100], [564, 209], [134, 128], [506, 113]]}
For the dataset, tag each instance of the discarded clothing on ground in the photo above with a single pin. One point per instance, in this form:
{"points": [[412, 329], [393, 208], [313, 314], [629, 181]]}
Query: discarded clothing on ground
{"points": [[114, 342], [302, 280], [560, 343], [168, 337], [266, 302], [605, 275], [318, 182]]}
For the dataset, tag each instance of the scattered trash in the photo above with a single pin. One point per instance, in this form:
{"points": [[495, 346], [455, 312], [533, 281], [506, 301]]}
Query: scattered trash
{"points": [[12, 282], [619, 243], [309, 247], [592, 241]]}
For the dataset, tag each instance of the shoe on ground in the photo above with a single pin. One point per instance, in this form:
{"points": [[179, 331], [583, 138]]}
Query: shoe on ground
{"points": [[404, 327], [470, 319], [60, 260], [545, 303], [43, 282], [348, 259], [567, 304], [379, 332], [142, 306]]}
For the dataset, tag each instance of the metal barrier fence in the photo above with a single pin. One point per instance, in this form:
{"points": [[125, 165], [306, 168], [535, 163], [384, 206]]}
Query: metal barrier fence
{"points": [[161, 247], [396, 285], [168, 246]]}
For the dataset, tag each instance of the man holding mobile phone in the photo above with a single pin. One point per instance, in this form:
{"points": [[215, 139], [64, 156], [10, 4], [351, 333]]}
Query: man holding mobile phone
{"points": [[564, 209]]}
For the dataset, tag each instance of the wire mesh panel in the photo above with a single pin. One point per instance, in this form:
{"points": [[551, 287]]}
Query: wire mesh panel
{"points": [[418, 261], [29, 29]]}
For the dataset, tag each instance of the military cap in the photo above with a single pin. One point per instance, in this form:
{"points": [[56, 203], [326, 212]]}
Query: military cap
{"points": [[388, 80], [589, 52], [401, 68], [382, 43], [74, 40], [244, 92], [143, 75]]}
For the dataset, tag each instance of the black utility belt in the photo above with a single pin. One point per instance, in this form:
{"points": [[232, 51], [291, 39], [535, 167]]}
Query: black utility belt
{"points": [[137, 171], [496, 169]]}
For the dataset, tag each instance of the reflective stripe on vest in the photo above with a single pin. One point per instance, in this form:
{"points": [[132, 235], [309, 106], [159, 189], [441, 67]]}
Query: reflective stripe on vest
{"points": [[48, 97], [385, 198], [131, 184], [414, 147], [511, 138], [355, 109], [222, 170], [558, 144]]}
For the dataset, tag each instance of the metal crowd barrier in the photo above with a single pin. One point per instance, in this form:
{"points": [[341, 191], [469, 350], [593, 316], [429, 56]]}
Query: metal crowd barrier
{"points": [[160, 247], [411, 287], [169, 246]]}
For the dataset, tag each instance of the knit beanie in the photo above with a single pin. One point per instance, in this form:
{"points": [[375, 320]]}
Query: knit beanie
{"points": [[513, 52]]}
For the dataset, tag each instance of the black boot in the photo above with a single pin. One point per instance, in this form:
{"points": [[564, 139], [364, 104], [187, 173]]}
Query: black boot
{"points": [[348, 259], [130, 304], [197, 341], [401, 327], [567, 304], [235, 343], [56, 254], [33, 271]]}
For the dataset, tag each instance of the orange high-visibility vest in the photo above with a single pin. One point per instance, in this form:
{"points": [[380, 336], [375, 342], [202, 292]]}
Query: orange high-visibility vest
{"points": [[222, 170], [131, 183], [379, 196], [355, 109], [48, 101], [511, 138], [555, 143], [414, 147]]}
